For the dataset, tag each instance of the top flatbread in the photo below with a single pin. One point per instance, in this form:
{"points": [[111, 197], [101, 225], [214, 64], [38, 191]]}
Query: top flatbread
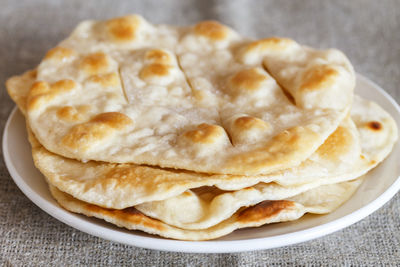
{"points": [[200, 98]]}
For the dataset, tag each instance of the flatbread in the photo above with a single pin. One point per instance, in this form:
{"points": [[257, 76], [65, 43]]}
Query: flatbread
{"points": [[124, 185], [126, 91], [326, 198]]}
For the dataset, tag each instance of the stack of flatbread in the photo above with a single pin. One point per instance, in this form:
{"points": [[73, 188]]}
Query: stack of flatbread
{"points": [[193, 132]]}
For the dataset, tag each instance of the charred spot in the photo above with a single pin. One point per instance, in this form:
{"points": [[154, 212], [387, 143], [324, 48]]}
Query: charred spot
{"points": [[264, 210], [374, 125]]}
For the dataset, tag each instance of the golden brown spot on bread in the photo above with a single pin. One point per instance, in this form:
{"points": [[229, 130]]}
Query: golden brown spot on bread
{"points": [[59, 53], [119, 172], [374, 125], [130, 175], [285, 147], [187, 194], [338, 143], [248, 122], [106, 80], [250, 79], [96, 209], [63, 85], [158, 56], [131, 215], [284, 141], [101, 127], [133, 175], [205, 134], [264, 210], [198, 94], [96, 63], [212, 30], [123, 29], [83, 136], [154, 70], [273, 44], [39, 87], [115, 120], [319, 77], [38, 94], [137, 218], [41, 92], [72, 114]]}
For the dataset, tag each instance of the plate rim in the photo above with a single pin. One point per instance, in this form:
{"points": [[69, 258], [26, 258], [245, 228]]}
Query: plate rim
{"points": [[210, 246]]}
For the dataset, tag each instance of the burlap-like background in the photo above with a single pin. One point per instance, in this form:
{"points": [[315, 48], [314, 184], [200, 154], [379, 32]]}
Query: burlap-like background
{"points": [[367, 31]]}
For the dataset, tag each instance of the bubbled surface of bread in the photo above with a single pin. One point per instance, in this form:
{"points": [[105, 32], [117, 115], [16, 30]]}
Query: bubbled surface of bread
{"points": [[200, 98]]}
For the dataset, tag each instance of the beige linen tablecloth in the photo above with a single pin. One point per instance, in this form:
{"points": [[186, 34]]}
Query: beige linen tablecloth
{"points": [[367, 31]]}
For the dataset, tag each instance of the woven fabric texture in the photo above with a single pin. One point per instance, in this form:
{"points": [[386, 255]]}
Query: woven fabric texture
{"points": [[367, 31]]}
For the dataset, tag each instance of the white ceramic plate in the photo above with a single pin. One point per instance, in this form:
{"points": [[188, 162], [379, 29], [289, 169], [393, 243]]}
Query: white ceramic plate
{"points": [[369, 197]]}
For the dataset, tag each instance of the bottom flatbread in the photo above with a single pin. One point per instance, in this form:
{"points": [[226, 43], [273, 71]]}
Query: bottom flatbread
{"points": [[323, 199]]}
